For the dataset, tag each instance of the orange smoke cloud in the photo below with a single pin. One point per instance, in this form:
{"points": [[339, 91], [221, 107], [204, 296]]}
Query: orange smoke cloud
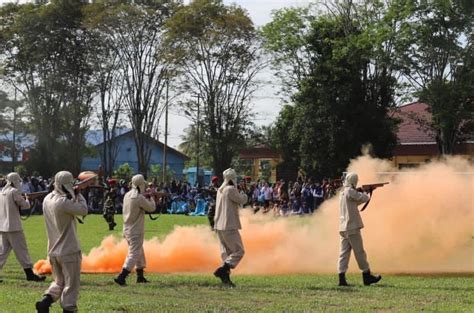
{"points": [[420, 222]]}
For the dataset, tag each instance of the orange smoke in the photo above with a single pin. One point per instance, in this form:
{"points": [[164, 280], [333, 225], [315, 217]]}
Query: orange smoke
{"points": [[420, 222]]}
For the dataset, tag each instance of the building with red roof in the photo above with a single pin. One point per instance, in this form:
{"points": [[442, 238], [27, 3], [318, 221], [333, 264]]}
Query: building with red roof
{"points": [[417, 144]]}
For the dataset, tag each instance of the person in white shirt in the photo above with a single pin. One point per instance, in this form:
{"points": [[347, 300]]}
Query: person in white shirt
{"points": [[11, 230], [60, 209], [350, 224], [227, 225], [135, 205]]}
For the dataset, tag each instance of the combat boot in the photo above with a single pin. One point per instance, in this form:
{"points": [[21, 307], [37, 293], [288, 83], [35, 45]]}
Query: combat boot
{"points": [[120, 279], [140, 278], [43, 305], [223, 273], [342, 280], [30, 276], [369, 279]]}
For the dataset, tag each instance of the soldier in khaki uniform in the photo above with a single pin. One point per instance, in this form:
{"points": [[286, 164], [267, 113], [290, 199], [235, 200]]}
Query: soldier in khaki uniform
{"points": [[60, 209], [227, 225], [350, 224], [135, 204], [11, 231]]}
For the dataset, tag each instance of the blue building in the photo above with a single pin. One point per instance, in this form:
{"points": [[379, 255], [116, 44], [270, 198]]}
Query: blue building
{"points": [[127, 153], [190, 175]]}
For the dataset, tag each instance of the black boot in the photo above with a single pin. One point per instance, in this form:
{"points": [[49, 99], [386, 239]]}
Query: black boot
{"points": [[140, 278], [43, 305], [32, 276], [120, 279], [223, 273], [67, 311], [111, 226], [369, 279], [342, 280]]}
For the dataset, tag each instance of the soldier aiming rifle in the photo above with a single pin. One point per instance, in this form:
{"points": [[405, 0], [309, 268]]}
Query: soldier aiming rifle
{"points": [[350, 224]]}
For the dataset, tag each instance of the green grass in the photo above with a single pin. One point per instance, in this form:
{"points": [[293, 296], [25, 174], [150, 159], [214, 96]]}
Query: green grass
{"points": [[202, 293]]}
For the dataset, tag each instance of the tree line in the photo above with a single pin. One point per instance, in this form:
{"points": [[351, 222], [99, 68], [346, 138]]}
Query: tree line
{"points": [[346, 65], [343, 66], [122, 62]]}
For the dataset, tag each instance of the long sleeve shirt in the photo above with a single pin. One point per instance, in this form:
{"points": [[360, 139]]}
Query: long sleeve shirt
{"points": [[60, 218], [134, 213], [227, 208], [11, 202], [349, 216]]}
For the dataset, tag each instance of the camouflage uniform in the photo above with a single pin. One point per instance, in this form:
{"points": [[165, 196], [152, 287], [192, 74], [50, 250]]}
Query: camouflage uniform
{"points": [[109, 207], [212, 190]]}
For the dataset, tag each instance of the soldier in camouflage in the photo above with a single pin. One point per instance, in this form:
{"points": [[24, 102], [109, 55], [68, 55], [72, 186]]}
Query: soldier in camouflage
{"points": [[109, 203]]}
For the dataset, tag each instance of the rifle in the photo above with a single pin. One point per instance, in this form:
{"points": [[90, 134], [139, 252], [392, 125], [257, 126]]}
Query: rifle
{"points": [[34, 196], [156, 196], [370, 188], [80, 185], [83, 184]]}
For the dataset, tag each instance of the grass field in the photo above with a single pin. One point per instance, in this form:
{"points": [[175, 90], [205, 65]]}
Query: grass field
{"points": [[202, 293]]}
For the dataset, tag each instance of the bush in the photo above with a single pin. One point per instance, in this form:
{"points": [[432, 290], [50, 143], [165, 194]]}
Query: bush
{"points": [[124, 171], [21, 170]]}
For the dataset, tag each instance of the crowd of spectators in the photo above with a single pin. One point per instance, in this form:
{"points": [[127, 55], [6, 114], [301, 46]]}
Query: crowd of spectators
{"points": [[180, 197], [293, 198]]}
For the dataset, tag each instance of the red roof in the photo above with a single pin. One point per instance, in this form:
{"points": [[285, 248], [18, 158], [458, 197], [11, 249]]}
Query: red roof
{"points": [[409, 131]]}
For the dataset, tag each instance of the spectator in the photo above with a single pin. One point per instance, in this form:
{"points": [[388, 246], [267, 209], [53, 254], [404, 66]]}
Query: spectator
{"points": [[25, 185]]}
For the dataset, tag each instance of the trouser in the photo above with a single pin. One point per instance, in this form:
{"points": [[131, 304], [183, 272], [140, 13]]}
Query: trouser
{"points": [[352, 241], [109, 217], [232, 248], [14, 240], [66, 273], [136, 254]]}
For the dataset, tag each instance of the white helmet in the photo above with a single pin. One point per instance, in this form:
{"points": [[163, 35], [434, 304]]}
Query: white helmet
{"points": [[64, 182], [138, 185], [13, 179], [351, 180]]}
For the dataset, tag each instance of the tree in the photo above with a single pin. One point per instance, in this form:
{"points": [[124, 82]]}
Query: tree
{"points": [[287, 139], [109, 83], [124, 171], [217, 50], [344, 103], [285, 38], [45, 58], [156, 174], [437, 61], [135, 34], [189, 147], [12, 123]]}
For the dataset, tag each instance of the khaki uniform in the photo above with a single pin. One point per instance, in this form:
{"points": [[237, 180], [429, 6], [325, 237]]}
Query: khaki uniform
{"points": [[134, 208], [350, 224], [64, 250], [227, 224], [11, 230]]}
